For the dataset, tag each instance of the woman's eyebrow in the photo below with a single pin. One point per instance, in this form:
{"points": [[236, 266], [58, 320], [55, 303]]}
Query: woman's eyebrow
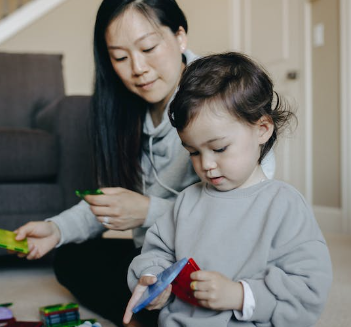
{"points": [[141, 38]]}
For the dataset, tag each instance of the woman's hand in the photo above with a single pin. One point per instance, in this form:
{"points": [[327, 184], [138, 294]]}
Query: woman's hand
{"points": [[42, 237], [217, 292], [119, 208], [157, 303]]}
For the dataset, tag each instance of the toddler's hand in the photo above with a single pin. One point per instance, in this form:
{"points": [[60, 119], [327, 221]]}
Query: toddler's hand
{"points": [[161, 300], [217, 292], [157, 303]]}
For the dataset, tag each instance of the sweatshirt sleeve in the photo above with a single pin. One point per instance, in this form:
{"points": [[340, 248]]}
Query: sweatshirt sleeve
{"points": [[77, 224], [157, 253], [293, 289]]}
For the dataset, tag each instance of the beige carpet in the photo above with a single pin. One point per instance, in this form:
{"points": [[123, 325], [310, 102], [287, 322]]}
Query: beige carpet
{"points": [[32, 287], [337, 312]]}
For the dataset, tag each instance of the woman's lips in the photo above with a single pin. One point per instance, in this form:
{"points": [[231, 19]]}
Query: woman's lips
{"points": [[146, 86]]}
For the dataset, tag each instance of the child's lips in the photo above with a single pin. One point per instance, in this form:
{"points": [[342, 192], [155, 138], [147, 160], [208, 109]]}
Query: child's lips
{"points": [[216, 180]]}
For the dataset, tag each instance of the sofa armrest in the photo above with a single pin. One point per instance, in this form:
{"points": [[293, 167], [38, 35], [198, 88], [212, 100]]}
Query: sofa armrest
{"points": [[68, 118]]}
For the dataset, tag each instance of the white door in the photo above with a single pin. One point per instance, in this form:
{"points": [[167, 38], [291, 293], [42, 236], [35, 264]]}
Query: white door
{"points": [[272, 32]]}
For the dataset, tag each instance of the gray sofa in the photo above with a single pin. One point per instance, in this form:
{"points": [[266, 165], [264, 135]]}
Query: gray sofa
{"points": [[44, 144]]}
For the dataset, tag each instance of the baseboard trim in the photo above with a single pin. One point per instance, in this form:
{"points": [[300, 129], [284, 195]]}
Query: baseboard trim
{"points": [[329, 219], [24, 16]]}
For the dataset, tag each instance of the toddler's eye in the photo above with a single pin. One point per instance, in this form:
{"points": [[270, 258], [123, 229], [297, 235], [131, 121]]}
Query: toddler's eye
{"points": [[195, 153], [220, 150]]}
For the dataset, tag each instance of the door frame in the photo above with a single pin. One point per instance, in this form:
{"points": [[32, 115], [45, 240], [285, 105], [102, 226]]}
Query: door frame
{"points": [[345, 83], [239, 41]]}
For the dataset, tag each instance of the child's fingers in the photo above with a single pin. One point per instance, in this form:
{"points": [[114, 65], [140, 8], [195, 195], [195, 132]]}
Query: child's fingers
{"points": [[198, 285], [201, 275], [138, 292], [161, 300], [201, 295], [144, 281], [147, 280], [128, 314], [194, 285]]}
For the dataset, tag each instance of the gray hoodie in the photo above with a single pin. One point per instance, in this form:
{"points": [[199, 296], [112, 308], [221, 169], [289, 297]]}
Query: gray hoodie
{"points": [[167, 170]]}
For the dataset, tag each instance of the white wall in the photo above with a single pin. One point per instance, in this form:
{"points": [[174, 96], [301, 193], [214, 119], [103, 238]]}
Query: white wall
{"points": [[68, 30]]}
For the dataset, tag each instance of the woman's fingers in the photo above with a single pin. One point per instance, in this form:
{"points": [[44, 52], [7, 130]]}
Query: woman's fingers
{"points": [[33, 253], [110, 195], [24, 231], [106, 211], [112, 190]]}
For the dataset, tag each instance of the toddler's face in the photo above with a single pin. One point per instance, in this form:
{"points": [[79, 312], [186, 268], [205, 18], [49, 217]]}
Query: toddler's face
{"points": [[223, 150]]}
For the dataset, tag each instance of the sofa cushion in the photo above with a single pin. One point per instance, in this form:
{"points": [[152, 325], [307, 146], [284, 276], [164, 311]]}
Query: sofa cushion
{"points": [[27, 155], [26, 199], [28, 82]]}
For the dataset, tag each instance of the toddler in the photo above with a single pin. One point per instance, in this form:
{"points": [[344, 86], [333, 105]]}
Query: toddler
{"points": [[263, 259]]}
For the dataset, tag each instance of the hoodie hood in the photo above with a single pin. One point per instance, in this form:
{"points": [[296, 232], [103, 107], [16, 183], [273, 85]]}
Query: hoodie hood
{"points": [[162, 150]]}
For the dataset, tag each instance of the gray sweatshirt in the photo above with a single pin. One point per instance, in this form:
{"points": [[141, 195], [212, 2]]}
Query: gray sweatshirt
{"points": [[167, 169], [265, 235]]}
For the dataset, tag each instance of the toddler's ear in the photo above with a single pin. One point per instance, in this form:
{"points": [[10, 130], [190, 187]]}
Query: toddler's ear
{"points": [[265, 129]]}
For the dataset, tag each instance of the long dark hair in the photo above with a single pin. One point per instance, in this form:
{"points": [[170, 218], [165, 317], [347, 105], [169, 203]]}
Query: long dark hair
{"points": [[240, 84], [118, 114]]}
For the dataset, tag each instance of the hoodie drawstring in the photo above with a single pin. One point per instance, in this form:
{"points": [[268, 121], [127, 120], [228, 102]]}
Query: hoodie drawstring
{"points": [[155, 172]]}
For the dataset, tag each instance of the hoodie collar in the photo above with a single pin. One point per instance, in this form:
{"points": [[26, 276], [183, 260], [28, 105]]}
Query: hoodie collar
{"points": [[162, 129]]}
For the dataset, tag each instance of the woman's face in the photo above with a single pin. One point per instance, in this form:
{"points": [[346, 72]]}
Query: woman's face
{"points": [[145, 56]]}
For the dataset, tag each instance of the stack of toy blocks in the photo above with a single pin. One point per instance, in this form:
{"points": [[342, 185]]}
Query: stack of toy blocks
{"points": [[60, 315]]}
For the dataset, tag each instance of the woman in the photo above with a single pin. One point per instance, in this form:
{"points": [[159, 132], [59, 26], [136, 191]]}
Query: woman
{"points": [[140, 53]]}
